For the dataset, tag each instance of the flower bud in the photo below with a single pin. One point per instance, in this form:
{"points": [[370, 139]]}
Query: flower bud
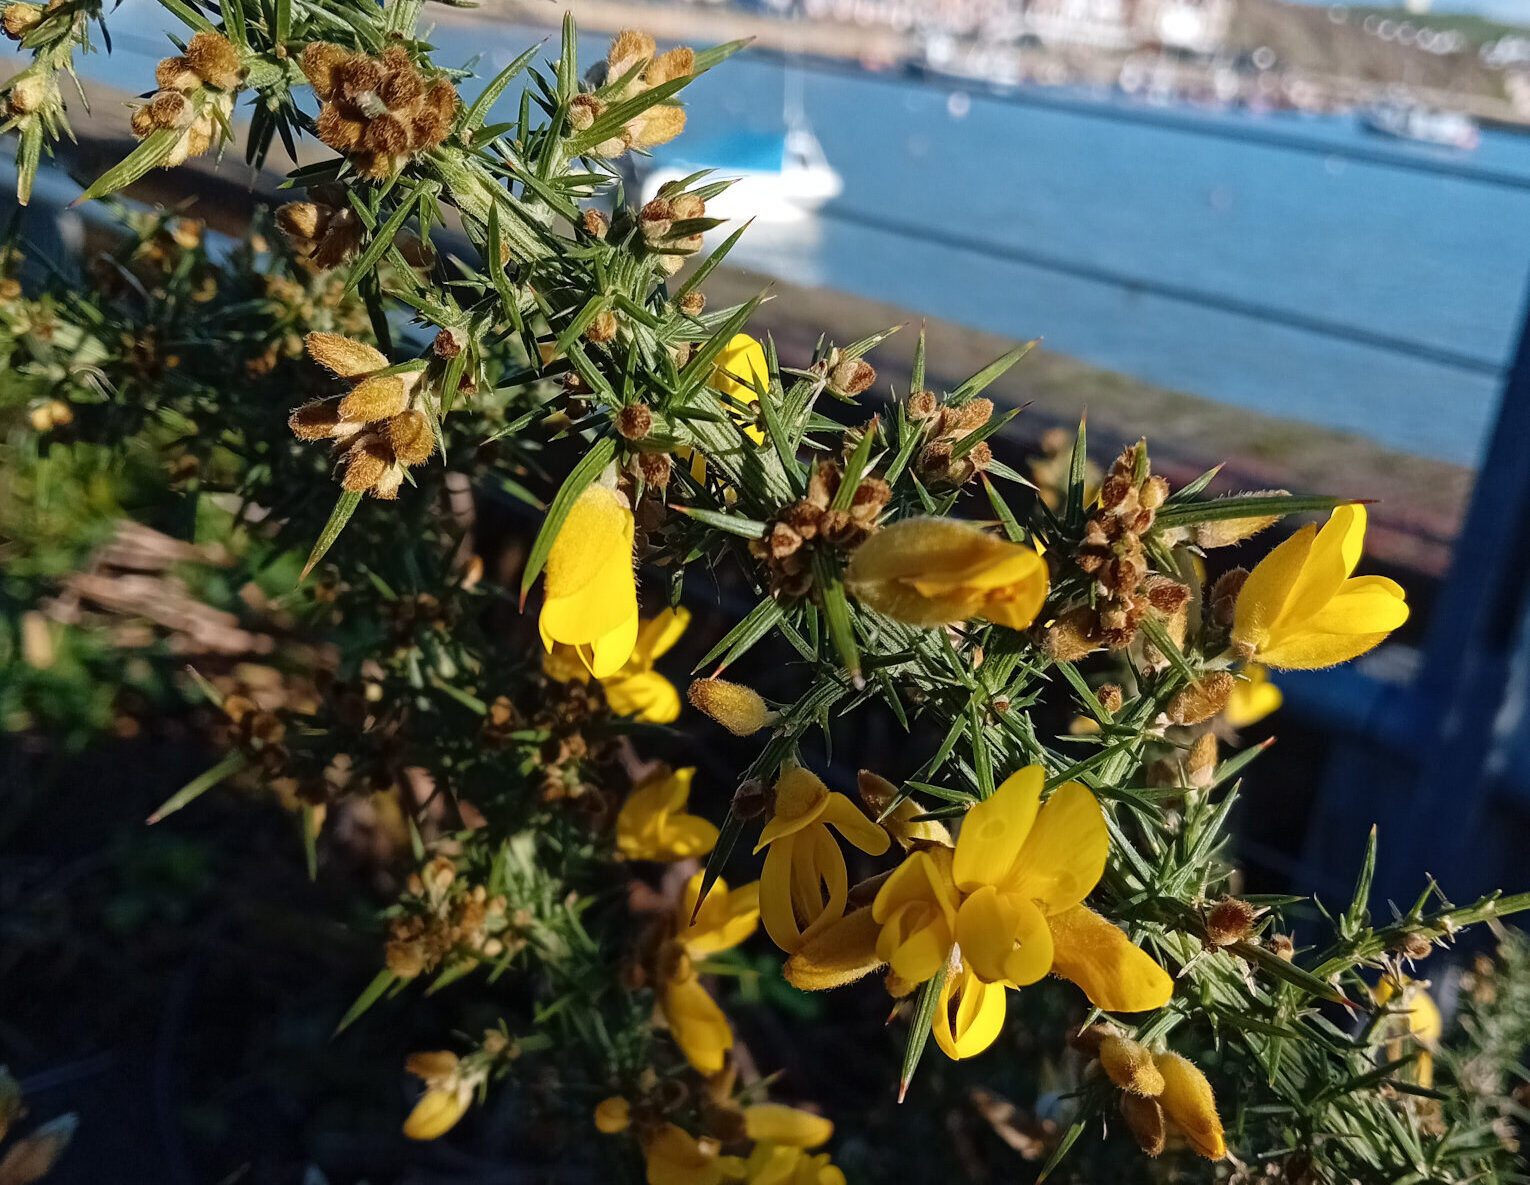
{"points": [[1190, 1105], [752, 799], [1224, 596], [635, 421], [1130, 1066], [613, 1115], [739, 709], [342, 356], [29, 93], [1229, 920], [1202, 699], [375, 398], [851, 376], [1144, 1118], [603, 328], [20, 19], [213, 59], [411, 437], [175, 74]]}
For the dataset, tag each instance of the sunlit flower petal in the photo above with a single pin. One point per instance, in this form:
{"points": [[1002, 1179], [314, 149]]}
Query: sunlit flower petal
{"points": [[653, 825], [1187, 1100], [1300, 609], [1064, 855], [1115, 975], [838, 954], [591, 595], [698, 1024], [775, 1123], [1004, 938], [969, 1015], [1253, 698], [994, 830], [725, 919]]}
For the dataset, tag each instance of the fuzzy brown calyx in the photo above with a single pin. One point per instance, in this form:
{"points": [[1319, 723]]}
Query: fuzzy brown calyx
{"points": [[786, 547]]}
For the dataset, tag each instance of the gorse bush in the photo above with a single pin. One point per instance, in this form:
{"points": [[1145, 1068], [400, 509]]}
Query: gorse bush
{"points": [[455, 305]]}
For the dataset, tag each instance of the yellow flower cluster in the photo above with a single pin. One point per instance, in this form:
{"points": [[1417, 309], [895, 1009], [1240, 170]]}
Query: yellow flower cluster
{"points": [[635, 689], [1001, 908], [774, 1147]]}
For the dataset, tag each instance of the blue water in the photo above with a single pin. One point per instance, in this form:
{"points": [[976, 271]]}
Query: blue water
{"points": [[1291, 264]]}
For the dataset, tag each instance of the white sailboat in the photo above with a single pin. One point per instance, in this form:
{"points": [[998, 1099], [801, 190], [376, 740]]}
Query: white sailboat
{"points": [[777, 176]]}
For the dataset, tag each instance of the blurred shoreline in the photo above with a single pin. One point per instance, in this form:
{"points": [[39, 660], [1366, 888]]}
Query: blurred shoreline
{"points": [[1361, 77]]}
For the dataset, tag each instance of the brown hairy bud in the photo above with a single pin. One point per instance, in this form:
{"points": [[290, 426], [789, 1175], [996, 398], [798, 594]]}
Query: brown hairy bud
{"points": [[338, 130], [342, 355], [1088, 1041], [29, 93], [603, 328], [596, 223], [922, 405], [1235, 530], [1414, 946], [658, 125], [20, 19], [142, 123], [213, 59], [368, 460], [1110, 696], [401, 85], [628, 48], [655, 468], [1071, 636], [1201, 761], [448, 344], [687, 205], [375, 398], [583, 111], [175, 74], [385, 134], [1224, 596], [676, 63], [1144, 1119], [1130, 1066], [302, 220], [170, 109], [1230, 920], [852, 376], [972, 415], [318, 420], [1281, 946], [692, 304], [1167, 597], [1202, 699], [319, 62], [635, 421], [357, 79], [1154, 492], [411, 437]]}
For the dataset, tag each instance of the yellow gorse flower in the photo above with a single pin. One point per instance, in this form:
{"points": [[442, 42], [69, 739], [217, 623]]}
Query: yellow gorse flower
{"points": [[724, 920], [783, 1136], [653, 823], [1423, 1023], [591, 598], [1189, 1104], [804, 884], [1301, 608], [969, 1014], [672, 1156], [1253, 698], [933, 571], [636, 690], [446, 1098], [740, 365]]}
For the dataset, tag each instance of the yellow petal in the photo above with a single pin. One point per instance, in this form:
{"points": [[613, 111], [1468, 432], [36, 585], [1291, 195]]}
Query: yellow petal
{"points": [[848, 820], [969, 1016], [660, 633], [1253, 698], [776, 911], [1264, 593], [1003, 938], [740, 365], [994, 830], [436, 1113], [914, 942], [923, 878], [646, 696], [1064, 855], [838, 954], [591, 595], [698, 1024], [1335, 552], [820, 884], [775, 1123], [1187, 1100], [934, 571], [1115, 975], [727, 918], [613, 1115], [675, 1157], [801, 797]]}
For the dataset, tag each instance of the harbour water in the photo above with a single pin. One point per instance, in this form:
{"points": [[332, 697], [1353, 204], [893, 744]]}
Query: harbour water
{"points": [[1297, 265]]}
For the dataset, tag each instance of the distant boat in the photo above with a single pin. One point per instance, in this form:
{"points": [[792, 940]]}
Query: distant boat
{"points": [[1451, 129], [780, 176]]}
